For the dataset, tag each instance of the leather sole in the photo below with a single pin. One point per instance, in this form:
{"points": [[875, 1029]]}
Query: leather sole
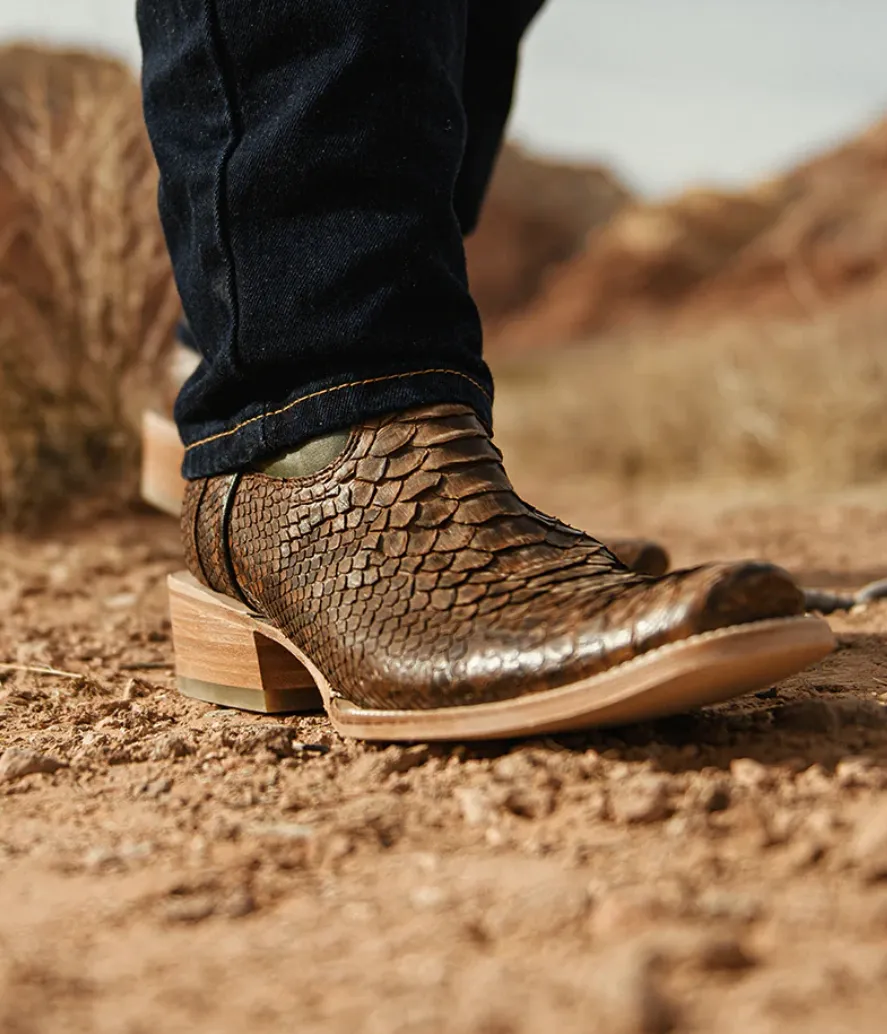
{"points": [[227, 655]]}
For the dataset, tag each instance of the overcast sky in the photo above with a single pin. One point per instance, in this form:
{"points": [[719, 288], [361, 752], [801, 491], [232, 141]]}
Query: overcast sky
{"points": [[669, 91]]}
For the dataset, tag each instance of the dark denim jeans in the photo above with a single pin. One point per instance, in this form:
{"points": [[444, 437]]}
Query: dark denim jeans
{"points": [[320, 161]]}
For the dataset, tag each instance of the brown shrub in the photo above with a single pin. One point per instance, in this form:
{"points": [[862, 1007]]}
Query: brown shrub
{"points": [[87, 302]]}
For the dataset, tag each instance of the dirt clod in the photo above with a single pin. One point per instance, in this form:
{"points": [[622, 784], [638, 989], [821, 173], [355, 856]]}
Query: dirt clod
{"points": [[643, 800], [16, 764]]}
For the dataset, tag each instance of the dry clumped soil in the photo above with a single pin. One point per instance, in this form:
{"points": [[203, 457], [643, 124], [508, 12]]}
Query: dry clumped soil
{"points": [[166, 865]]}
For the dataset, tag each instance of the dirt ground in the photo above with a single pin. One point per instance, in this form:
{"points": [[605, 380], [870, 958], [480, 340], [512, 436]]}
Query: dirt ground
{"points": [[193, 869]]}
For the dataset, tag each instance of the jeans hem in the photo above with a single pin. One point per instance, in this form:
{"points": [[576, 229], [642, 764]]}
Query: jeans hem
{"points": [[324, 410]]}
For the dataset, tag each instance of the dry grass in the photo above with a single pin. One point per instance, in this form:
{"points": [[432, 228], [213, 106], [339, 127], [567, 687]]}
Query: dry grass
{"points": [[87, 303], [804, 404]]}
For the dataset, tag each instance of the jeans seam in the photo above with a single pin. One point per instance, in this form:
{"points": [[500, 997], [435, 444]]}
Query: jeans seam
{"points": [[220, 191], [327, 391]]}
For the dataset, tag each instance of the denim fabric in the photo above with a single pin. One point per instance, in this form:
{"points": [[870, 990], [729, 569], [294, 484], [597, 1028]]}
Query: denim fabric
{"points": [[495, 30], [319, 160]]}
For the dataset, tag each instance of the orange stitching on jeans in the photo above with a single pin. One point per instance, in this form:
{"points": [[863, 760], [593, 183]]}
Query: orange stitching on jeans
{"points": [[327, 391]]}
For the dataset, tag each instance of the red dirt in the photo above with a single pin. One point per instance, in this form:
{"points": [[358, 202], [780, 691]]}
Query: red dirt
{"points": [[198, 869]]}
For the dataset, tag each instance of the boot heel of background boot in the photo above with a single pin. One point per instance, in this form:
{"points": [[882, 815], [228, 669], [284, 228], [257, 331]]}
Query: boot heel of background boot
{"points": [[162, 485], [222, 656]]}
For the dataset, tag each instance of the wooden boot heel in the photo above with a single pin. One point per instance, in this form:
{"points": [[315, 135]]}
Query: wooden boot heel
{"points": [[223, 658]]}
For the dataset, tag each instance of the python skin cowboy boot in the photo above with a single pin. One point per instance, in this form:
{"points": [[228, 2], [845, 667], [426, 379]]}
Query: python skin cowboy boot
{"points": [[392, 575]]}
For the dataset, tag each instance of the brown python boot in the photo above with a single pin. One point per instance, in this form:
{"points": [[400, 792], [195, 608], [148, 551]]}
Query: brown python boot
{"points": [[408, 584], [163, 487]]}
